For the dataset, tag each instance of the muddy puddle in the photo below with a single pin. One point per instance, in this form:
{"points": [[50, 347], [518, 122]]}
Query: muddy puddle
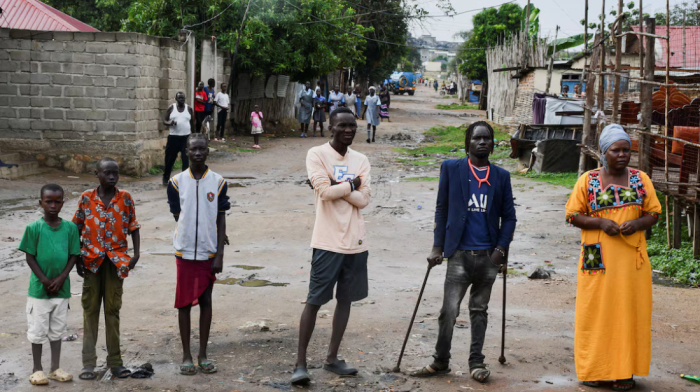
{"points": [[247, 267]]}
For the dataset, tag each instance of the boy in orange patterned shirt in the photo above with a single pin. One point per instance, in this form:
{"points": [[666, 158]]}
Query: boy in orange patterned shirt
{"points": [[105, 217]]}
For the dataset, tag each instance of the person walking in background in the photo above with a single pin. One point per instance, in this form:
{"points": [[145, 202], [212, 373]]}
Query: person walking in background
{"points": [[474, 225], [613, 206], [385, 98], [371, 113], [306, 108], [200, 101], [105, 216], [349, 100], [211, 93], [198, 201], [435, 85], [341, 181], [319, 111], [256, 129], [335, 99], [358, 102], [52, 248], [222, 102], [179, 119]]}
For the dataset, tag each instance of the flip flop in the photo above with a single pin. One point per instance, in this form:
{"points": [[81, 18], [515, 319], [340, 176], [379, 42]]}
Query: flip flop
{"points": [[87, 373], [630, 384], [300, 376], [430, 371], [120, 372], [188, 369], [208, 367], [340, 368], [480, 374], [60, 375], [38, 378]]}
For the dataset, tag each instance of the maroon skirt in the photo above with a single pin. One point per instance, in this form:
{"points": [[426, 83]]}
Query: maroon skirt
{"points": [[193, 278]]}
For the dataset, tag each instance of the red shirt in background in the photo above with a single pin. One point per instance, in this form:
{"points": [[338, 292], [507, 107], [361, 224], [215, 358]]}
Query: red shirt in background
{"points": [[198, 106]]}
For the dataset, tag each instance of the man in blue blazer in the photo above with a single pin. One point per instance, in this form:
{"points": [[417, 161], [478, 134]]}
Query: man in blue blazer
{"points": [[474, 225]]}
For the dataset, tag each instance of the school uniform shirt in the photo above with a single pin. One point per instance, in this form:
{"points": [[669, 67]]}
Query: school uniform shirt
{"points": [[104, 229], [339, 225], [197, 203], [223, 100], [51, 247]]}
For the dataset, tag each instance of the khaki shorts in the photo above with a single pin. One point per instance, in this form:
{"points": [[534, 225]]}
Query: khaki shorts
{"points": [[46, 319]]}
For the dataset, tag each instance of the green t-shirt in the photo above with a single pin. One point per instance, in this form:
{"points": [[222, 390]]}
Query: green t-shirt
{"points": [[51, 247]]}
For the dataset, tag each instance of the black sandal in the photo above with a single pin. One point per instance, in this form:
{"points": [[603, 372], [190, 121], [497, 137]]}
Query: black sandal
{"points": [[88, 373], [592, 384], [630, 384], [340, 368], [301, 376], [120, 372], [480, 373]]}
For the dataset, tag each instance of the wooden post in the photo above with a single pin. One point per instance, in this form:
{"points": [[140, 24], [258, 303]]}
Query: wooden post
{"points": [[683, 38], [645, 96], [618, 64], [677, 223], [696, 231], [523, 66], [667, 145], [551, 61], [601, 82], [588, 136], [585, 78], [641, 47]]}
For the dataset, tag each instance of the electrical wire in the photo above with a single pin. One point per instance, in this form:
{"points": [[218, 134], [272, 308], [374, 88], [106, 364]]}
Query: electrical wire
{"points": [[208, 20]]}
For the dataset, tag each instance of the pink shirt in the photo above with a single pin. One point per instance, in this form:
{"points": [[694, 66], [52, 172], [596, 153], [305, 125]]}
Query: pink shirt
{"points": [[339, 225], [256, 120]]}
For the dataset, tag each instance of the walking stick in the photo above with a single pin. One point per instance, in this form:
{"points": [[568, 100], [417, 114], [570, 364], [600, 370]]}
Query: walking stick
{"points": [[502, 358], [397, 368]]}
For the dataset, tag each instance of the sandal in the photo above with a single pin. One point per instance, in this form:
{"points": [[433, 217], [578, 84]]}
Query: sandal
{"points": [[430, 371], [188, 369], [628, 385], [207, 367], [38, 378], [88, 373], [340, 368], [60, 375], [592, 384], [120, 372], [300, 376], [480, 374]]}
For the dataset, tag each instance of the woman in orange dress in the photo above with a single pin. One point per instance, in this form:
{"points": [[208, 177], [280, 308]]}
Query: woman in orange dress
{"points": [[613, 206]]}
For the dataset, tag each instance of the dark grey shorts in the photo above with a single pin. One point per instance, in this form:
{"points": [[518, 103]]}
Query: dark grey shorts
{"points": [[329, 268]]}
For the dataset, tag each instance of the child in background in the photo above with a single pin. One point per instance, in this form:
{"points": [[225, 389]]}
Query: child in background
{"points": [[256, 119], [52, 246]]}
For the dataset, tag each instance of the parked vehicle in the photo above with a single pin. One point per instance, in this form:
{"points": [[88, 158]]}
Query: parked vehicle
{"points": [[402, 82]]}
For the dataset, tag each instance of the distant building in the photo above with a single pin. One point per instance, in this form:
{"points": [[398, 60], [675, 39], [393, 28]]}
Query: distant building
{"points": [[35, 15]]}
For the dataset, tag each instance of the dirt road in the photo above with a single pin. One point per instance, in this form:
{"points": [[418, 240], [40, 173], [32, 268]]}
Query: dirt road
{"points": [[270, 228]]}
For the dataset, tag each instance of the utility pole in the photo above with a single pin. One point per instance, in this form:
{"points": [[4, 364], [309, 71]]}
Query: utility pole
{"points": [[551, 61]]}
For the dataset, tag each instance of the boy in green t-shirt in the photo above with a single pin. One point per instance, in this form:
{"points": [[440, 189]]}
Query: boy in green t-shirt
{"points": [[52, 246]]}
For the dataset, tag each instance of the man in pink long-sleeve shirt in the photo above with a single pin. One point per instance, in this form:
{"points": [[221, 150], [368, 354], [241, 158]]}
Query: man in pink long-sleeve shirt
{"points": [[341, 181]]}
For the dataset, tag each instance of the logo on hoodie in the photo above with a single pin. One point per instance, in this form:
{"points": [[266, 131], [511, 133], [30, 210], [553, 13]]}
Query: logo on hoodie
{"points": [[210, 196]]}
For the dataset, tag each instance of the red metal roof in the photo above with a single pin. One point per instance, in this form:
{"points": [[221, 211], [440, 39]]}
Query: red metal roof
{"points": [[692, 46], [35, 15]]}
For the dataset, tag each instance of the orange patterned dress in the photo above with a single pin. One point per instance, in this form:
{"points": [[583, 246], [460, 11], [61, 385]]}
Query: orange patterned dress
{"points": [[613, 292]]}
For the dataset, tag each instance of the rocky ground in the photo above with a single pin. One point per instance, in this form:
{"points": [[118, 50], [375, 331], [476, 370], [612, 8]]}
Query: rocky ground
{"points": [[254, 333]]}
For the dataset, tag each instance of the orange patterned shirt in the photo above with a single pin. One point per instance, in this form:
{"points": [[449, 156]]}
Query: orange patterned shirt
{"points": [[103, 231]]}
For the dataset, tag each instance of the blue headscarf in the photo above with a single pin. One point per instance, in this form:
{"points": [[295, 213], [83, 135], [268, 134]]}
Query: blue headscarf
{"points": [[611, 134]]}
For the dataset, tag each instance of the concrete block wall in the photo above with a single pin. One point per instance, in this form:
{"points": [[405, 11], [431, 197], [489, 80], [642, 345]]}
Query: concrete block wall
{"points": [[68, 99]]}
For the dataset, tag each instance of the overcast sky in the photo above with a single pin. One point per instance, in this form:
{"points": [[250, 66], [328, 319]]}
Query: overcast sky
{"points": [[565, 13]]}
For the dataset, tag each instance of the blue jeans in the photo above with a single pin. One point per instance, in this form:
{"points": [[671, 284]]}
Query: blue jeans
{"points": [[464, 269]]}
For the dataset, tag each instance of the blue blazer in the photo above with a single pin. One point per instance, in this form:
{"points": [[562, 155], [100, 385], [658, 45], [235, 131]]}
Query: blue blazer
{"points": [[453, 199]]}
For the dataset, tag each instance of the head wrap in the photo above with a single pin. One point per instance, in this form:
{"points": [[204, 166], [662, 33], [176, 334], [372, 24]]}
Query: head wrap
{"points": [[372, 88], [611, 134]]}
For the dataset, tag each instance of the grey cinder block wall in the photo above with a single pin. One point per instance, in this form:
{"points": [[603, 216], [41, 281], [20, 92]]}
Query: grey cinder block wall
{"points": [[68, 99]]}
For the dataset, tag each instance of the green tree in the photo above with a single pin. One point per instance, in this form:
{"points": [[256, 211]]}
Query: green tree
{"points": [[441, 57], [691, 10], [490, 26], [104, 15]]}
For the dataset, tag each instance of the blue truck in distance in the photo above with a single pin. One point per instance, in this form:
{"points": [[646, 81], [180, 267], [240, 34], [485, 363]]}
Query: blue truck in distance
{"points": [[402, 82]]}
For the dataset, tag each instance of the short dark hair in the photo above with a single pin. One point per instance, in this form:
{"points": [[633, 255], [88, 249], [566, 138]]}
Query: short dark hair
{"points": [[179, 93], [194, 136], [104, 160], [470, 130], [50, 188], [338, 111], [211, 82]]}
